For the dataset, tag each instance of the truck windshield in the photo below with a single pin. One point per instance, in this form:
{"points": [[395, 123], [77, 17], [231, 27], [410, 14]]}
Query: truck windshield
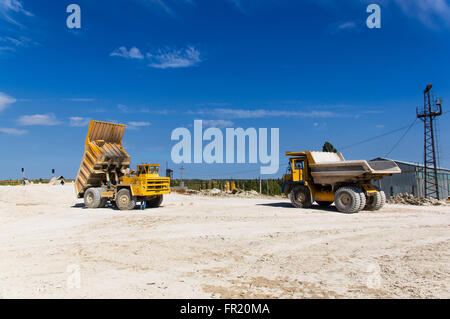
{"points": [[153, 169], [142, 170]]}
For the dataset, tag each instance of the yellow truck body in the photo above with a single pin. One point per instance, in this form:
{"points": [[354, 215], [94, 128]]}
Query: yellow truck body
{"points": [[104, 172], [327, 177]]}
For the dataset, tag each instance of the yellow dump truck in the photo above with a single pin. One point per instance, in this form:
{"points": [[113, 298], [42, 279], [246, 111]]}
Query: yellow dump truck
{"points": [[104, 173], [327, 177]]}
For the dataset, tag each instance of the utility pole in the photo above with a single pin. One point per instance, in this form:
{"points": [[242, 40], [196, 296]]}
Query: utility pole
{"points": [[431, 109], [267, 186], [181, 183], [260, 186]]}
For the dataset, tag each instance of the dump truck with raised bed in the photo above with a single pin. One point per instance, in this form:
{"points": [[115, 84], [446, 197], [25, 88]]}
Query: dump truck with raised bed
{"points": [[104, 173], [325, 178]]}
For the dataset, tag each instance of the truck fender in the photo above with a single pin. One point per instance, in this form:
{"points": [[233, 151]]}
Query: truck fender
{"points": [[288, 185]]}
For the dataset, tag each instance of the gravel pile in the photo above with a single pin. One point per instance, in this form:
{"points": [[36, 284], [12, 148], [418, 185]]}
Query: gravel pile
{"points": [[236, 192], [408, 199]]}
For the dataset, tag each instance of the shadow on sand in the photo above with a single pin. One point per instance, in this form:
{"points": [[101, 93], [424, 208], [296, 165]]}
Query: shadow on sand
{"points": [[331, 209]]}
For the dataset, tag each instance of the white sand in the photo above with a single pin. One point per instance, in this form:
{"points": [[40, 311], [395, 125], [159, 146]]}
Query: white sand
{"points": [[207, 247]]}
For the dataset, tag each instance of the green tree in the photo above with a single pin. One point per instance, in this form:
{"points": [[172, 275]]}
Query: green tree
{"points": [[328, 147]]}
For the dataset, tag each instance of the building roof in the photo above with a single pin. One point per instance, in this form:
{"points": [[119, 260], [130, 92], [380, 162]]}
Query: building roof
{"points": [[407, 163]]}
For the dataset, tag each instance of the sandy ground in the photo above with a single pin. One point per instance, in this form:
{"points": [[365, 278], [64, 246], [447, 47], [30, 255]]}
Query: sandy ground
{"points": [[204, 247]]}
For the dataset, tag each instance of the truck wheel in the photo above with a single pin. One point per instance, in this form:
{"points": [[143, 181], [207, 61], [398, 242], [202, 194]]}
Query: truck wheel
{"points": [[373, 202], [363, 200], [383, 200], [92, 198], [348, 199], [124, 200], [376, 202], [323, 203], [154, 202], [300, 197]]}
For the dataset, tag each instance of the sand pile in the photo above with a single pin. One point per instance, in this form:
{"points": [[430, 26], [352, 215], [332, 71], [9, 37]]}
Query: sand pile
{"points": [[408, 199], [234, 193]]}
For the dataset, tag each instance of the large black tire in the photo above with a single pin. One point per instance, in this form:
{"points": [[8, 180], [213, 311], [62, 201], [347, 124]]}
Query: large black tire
{"points": [[124, 200], [376, 201], [348, 199], [323, 203], [300, 197], [383, 199], [373, 202], [92, 198], [154, 202], [362, 198]]}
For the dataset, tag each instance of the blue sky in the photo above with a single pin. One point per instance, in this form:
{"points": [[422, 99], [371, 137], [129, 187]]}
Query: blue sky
{"points": [[311, 68]]}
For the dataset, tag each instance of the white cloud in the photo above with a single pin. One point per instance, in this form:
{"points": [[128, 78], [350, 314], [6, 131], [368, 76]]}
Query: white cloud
{"points": [[133, 53], [12, 131], [5, 101], [38, 119], [217, 123], [165, 59], [80, 100], [347, 26], [17, 42], [426, 10], [123, 108], [78, 121], [9, 7], [137, 125], [261, 113]]}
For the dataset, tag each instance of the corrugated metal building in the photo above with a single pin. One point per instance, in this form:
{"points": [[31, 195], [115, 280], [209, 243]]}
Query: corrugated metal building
{"points": [[411, 180]]}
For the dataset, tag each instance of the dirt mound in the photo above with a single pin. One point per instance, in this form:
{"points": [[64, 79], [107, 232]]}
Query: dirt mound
{"points": [[408, 199], [235, 193]]}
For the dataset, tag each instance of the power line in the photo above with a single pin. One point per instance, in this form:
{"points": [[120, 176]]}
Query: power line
{"points": [[382, 135], [401, 138], [375, 137]]}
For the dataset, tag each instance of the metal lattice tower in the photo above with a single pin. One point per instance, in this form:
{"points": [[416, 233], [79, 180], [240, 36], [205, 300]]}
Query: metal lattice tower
{"points": [[432, 108]]}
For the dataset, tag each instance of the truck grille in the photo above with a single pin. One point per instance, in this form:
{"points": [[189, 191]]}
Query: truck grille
{"points": [[158, 184]]}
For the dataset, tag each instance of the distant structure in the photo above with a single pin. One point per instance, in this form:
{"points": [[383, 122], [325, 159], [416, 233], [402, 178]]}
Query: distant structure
{"points": [[432, 108], [412, 180]]}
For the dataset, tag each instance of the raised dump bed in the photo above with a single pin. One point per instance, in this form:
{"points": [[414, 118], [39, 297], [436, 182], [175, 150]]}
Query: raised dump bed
{"points": [[104, 172], [103, 155]]}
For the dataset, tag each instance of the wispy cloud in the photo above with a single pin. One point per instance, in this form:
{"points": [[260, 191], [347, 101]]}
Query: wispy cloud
{"points": [[157, 112], [427, 11], [133, 53], [166, 6], [217, 123], [347, 26], [9, 8], [170, 58], [262, 113], [12, 131], [78, 121], [6, 101], [17, 42], [137, 125], [123, 108], [38, 119], [80, 99], [164, 58]]}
